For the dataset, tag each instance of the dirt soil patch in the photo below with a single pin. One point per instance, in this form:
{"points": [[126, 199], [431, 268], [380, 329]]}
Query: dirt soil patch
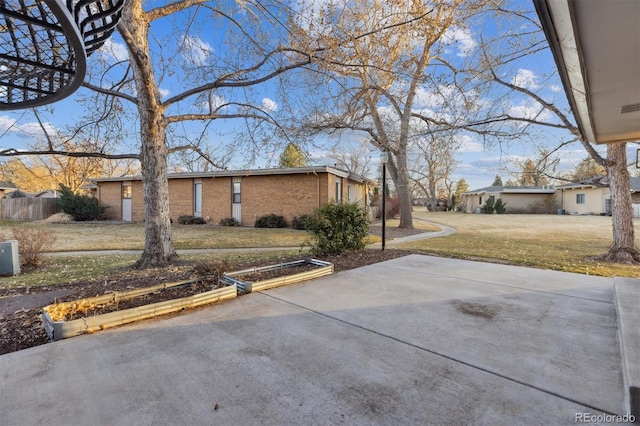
{"points": [[275, 273], [20, 308], [82, 309]]}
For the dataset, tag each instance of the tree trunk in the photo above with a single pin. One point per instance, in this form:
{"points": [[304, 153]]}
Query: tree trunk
{"points": [[158, 246], [433, 195], [401, 180], [623, 248]]}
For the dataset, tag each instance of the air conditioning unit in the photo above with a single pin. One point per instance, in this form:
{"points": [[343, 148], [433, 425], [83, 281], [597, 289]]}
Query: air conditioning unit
{"points": [[9, 258]]}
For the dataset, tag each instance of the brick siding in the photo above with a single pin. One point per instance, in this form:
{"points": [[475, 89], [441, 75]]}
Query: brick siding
{"points": [[287, 195]]}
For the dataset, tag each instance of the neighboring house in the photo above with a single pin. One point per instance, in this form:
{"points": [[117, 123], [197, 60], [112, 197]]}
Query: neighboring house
{"points": [[518, 199], [49, 193], [588, 197], [6, 188], [593, 196], [244, 195]]}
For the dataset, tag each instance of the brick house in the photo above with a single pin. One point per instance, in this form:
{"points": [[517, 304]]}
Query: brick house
{"points": [[244, 195]]}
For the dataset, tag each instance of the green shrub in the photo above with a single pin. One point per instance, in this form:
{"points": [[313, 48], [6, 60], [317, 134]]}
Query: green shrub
{"points": [[338, 227], [500, 207], [488, 206], [81, 207], [271, 221], [190, 220], [301, 222], [228, 221]]}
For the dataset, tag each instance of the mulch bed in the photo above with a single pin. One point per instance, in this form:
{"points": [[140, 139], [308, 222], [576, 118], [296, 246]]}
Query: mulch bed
{"points": [[20, 308]]}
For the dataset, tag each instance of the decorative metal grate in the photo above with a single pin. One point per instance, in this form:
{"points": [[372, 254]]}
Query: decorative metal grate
{"points": [[44, 45]]}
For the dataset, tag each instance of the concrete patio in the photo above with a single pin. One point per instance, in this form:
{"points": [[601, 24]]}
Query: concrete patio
{"points": [[415, 340]]}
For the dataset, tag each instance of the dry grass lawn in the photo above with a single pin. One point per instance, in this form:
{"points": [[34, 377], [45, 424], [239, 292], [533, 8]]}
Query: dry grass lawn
{"points": [[81, 236], [563, 243]]}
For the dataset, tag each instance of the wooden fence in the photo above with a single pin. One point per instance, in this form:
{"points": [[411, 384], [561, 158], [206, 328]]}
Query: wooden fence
{"points": [[28, 208]]}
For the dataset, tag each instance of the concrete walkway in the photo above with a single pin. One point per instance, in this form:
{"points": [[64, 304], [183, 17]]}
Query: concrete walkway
{"points": [[415, 340]]}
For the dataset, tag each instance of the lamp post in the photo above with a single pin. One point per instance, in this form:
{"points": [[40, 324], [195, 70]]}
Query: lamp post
{"points": [[384, 158]]}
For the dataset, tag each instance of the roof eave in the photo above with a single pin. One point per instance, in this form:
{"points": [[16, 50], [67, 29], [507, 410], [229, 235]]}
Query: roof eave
{"points": [[558, 22]]}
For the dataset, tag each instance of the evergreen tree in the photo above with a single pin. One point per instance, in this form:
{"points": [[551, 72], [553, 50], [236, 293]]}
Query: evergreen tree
{"points": [[292, 157], [497, 181], [461, 187]]}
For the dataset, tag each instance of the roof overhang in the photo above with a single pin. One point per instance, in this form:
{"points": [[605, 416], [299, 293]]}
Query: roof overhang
{"points": [[596, 46], [253, 172]]}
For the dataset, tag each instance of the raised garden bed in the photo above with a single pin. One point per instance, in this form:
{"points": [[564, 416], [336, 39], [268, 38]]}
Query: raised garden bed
{"points": [[68, 319], [266, 277], [88, 315]]}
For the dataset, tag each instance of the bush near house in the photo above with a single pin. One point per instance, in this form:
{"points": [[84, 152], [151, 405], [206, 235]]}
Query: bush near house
{"points": [[271, 221], [500, 207], [191, 220], [301, 222], [489, 206], [337, 228], [32, 244], [548, 206], [228, 221], [81, 207], [392, 206]]}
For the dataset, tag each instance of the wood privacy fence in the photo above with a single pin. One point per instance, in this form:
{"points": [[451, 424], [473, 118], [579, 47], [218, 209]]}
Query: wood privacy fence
{"points": [[28, 208]]}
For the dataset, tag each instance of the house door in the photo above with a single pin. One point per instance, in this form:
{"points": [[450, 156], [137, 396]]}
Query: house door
{"points": [[126, 201], [236, 206]]}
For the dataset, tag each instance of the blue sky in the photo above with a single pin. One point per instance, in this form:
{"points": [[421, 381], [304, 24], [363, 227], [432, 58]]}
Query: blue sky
{"points": [[478, 164]]}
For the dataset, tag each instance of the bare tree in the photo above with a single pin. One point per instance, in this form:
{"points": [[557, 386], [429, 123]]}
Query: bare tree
{"points": [[52, 160], [378, 77], [539, 171], [587, 169], [354, 158], [545, 112], [163, 80], [433, 164]]}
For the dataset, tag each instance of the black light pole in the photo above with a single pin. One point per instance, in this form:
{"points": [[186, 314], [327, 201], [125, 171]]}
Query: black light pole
{"points": [[384, 157]]}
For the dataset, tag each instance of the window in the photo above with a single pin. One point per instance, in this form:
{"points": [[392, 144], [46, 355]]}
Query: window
{"points": [[126, 190], [580, 198], [197, 198], [236, 193], [349, 193], [480, 203], [339, 189]]}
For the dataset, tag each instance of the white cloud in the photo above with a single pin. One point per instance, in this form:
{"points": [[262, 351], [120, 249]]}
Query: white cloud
{"points": [[114, 50], [310, 16], [164, 92], [526, 79], [555, 88], [530, 111], [216, 101], [26, 130], [196, 50], [269, 105], [6, 123], [462, 37], [468, 145]]}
